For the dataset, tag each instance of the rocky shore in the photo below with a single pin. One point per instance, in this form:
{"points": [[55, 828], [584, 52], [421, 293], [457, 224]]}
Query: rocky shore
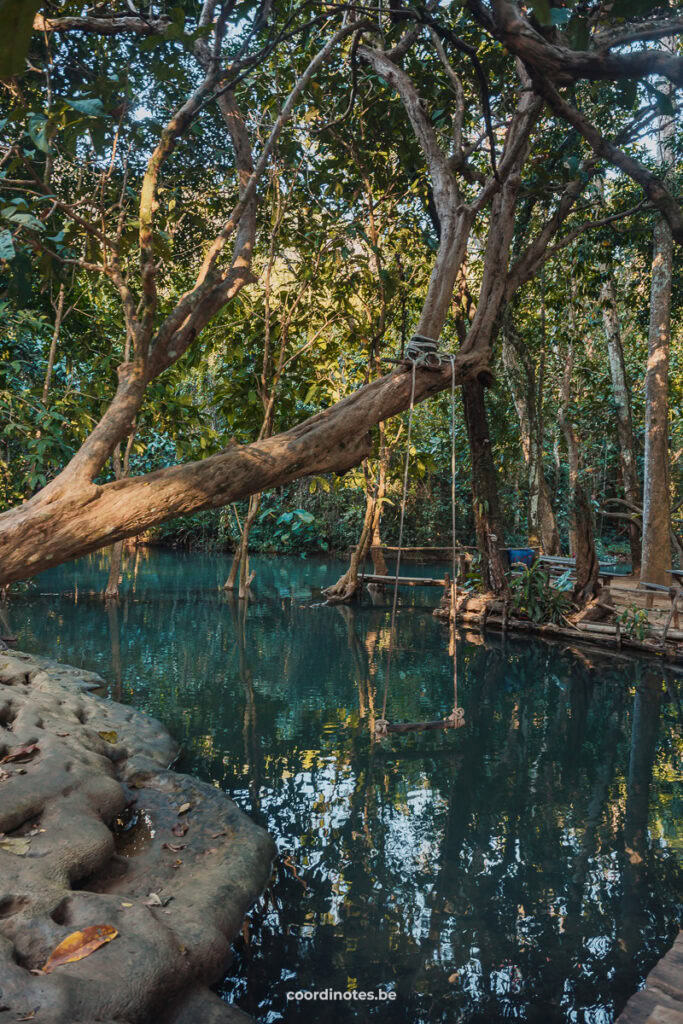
{"points": [[95, 830]]}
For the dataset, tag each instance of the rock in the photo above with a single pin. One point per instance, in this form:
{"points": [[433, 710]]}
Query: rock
{"points": [[95, 806]]}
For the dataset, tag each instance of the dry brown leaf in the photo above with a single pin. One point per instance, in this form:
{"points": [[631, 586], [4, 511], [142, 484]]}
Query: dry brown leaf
{"points": [[28, 1016], [19, 846], [453, 977], [109, 735], [217, 834], [174, 846], [79, 945], [184, 808], [21, 753], [179, 829]]}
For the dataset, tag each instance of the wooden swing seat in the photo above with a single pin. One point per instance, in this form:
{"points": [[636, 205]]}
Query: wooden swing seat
{"points": [[453, 721]]}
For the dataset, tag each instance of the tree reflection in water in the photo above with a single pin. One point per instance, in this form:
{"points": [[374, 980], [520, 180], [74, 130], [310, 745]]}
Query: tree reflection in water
{"points": [[522, 867]]}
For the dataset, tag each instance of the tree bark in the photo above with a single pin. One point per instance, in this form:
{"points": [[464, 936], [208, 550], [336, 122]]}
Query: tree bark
{"points": [[656, 555], [581, 534], [622, 404], [487, 518], [59, 313], [542, 525]]}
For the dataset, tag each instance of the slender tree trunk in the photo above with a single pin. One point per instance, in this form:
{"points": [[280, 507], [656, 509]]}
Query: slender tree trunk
{"points": [[53, 344], [487, 516], [542, 525], [378, 561], [121, 469], [622, 404], [581, 534], [656, 555]]}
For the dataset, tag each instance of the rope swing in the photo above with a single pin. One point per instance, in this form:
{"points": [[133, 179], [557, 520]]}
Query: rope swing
{"points": [[423, 351]]}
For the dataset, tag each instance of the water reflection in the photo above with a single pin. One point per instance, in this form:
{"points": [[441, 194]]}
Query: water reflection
{"points": [[522, 867]]}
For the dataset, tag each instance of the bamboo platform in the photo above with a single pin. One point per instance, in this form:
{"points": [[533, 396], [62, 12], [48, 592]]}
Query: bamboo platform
{"points": [[661, 1001], [403, 581]]}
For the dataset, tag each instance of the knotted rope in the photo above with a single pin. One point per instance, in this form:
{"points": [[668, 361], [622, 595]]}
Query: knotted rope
{"points": [[423, 352]]}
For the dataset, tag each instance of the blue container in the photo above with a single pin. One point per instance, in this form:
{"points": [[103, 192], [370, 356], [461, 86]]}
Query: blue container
{"points": [[524, 555]]}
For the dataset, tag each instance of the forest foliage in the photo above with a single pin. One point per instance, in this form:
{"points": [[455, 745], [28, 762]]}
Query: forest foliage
{"points": [[346, 232]]}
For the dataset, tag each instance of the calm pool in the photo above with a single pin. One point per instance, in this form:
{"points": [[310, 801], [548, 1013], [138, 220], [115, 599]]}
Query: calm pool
{"points": [[523, 867]]}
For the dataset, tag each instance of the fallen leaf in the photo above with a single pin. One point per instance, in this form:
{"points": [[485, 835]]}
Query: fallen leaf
{"points": [[176, 864], [155, 899], [19, 847], [79, 945], [29, 1016], [109, 735], [217, 834], [453, 977], [21, 753], [62, 734], [184, 808], [126, 904], [179, 829], [174, 846]]}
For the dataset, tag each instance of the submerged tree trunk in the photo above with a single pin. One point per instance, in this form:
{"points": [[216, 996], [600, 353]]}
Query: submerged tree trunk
{"points": [[542, 525], [622, 404], [656, 555], [487, 518]]}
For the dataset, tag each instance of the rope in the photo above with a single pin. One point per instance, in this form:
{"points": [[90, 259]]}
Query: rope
{"points": [[381, 723], [457, 714], [423, 351]]}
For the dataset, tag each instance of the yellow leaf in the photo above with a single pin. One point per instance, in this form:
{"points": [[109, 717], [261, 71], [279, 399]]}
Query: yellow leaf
{"points": [[19, 847], [110, 736], [79, 945], [184, 808]]}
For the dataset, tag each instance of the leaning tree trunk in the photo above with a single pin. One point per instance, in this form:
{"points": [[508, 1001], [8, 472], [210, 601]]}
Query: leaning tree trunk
{"points": [[487, 518], [622, 404]]}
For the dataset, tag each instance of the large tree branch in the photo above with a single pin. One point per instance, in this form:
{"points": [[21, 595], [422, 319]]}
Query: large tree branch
{"points": [[47, 531], [656, 28], [654, 188], [563, 65], [444, 185], [102, 25]]}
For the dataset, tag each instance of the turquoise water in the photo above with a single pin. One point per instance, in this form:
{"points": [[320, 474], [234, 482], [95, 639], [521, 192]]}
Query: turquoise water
{"points": [[522, 867]]}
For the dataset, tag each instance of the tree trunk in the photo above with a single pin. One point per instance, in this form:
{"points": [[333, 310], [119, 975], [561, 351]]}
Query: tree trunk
{"points": [[542, 525], [59, 313], [622, 404], [487, 516], [115, 559], [656, 555], [239, 570], [581, 534]]}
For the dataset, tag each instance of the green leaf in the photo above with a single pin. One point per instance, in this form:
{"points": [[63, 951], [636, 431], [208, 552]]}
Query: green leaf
{"points": [[91, 108], [6, 245], [37, 126]]}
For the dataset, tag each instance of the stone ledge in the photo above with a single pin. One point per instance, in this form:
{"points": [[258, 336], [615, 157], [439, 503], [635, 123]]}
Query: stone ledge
{"points": [[97, 812]]}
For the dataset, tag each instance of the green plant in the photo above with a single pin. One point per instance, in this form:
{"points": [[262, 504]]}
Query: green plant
{"points": [[534, 597], [634, 621]]}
